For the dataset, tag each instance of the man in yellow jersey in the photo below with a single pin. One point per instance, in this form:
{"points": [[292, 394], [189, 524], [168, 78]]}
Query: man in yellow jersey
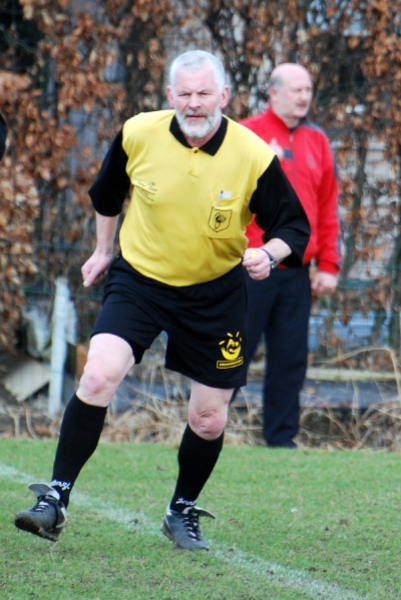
{"points": [[196, 179]]}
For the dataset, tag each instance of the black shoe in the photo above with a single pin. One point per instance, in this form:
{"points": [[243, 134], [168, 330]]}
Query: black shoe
{"points": [[183, 528], [47, 518], [285, 444]]}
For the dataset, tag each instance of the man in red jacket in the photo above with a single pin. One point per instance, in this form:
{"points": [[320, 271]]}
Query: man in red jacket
{"points": [[279, 306]]}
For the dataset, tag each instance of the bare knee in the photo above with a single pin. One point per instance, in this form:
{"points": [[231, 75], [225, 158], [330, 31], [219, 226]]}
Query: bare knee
{"points": [[207, 412], [109, 360], [98, 384], [208, 425], [94, 379]]}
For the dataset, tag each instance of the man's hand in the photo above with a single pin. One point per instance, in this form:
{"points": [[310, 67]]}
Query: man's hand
{"points": [[323, 283], [257, 263], [95, 268]]}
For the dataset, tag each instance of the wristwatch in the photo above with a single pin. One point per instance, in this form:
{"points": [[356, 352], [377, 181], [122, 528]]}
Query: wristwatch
{"points": [[273, 260]]}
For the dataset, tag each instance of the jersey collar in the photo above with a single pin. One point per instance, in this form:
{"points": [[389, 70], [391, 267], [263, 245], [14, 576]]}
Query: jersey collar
{"points": [[211, 147]]}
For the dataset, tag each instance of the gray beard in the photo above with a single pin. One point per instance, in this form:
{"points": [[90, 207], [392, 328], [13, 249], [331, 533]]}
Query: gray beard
{"points": [[196, 132]]}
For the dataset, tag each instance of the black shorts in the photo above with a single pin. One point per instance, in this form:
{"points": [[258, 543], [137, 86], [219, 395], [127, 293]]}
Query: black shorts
{"points": [[205, 323]]}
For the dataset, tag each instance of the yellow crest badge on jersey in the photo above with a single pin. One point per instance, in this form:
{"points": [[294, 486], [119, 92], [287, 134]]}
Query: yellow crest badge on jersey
{"points": [[219, 220], [231, 349]]}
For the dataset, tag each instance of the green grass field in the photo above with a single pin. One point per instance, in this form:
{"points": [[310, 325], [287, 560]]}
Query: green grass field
{"points": [[290, 525]]}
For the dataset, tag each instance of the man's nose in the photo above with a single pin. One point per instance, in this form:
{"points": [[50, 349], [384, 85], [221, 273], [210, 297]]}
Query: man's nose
{"points": [[194, 101], [306, 95]]}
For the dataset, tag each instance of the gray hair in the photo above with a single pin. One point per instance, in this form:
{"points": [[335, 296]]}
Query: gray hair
{"points": [[193, 60], [275, 81]]}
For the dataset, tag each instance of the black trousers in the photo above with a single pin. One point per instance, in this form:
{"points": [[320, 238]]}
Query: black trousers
{"points": [[279, 308]]}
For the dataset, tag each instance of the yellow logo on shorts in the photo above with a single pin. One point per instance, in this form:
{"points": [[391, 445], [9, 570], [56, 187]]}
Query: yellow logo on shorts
{"points": [[231, 349]]}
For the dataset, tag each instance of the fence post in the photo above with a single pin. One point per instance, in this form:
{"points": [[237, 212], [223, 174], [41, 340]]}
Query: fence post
{"points": [[59, 345]]}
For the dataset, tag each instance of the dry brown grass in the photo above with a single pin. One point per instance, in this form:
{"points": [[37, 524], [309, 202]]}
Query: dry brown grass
{"points": [[377, 428], [161, 417]]}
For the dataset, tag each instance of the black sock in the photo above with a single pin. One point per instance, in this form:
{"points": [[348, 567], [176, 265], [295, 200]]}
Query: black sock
{"points": [[196, 460], [79, 435]]}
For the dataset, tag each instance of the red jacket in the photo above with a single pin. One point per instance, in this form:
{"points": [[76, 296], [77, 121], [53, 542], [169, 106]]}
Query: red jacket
{"points": [[309, 165]]}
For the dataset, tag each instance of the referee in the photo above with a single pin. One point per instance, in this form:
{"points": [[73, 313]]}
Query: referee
{"points": [[196, 179]]}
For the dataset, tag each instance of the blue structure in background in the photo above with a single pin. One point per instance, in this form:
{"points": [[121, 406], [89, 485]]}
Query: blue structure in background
{"points": [[357, 333]]}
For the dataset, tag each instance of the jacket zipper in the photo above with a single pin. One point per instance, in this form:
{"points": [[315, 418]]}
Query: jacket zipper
{"points": [[294, 170]]}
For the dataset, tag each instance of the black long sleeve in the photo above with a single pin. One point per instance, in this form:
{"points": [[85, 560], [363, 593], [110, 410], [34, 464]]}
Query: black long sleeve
{"points": [[279, 212], [110, 188]]}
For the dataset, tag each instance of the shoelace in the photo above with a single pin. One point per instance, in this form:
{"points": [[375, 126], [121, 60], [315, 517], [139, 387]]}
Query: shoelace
{"points": [[191, 522], [41, 505]]}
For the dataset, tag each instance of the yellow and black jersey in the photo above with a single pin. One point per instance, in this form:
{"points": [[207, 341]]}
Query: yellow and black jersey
{"points": [[189, 207]]}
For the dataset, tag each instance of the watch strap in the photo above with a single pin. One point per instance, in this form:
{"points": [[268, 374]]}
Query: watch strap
{"points": [[273, 260]]}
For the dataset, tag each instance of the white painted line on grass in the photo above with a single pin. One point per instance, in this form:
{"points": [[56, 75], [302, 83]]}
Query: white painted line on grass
{"points": [[278, 575], [286, 577], [128, 519]]}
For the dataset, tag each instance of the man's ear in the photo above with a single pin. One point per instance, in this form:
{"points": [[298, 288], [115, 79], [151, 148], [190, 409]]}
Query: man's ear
{"points": [[225, 96], [170, 98], [272, 93]]}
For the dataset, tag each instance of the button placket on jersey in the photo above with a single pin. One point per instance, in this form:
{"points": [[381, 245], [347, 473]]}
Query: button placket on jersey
{"points": [[193, 162]]}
